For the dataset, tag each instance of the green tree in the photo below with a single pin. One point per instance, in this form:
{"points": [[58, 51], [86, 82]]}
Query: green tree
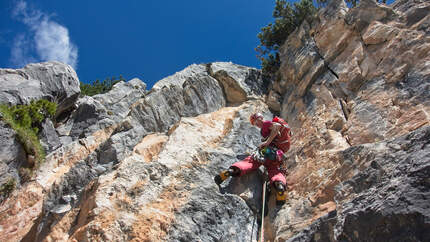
{"points": [[287, 18], [97, 87]]}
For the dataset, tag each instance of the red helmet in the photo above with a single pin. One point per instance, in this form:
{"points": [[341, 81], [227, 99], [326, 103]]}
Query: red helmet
{"points": [[254, 117]]}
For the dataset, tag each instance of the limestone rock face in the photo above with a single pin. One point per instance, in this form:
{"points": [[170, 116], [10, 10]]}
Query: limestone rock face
{"points": [[349, 80], [54, 81], [168, 194], [132, 162], [391, 193]]}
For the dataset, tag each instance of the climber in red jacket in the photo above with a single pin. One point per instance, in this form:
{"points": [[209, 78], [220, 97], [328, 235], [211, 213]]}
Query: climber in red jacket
{"points": [[276, 135]]}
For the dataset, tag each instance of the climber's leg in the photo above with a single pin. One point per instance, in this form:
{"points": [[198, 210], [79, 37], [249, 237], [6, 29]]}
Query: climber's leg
{"points": [[237, 169], [277, 179], [246, 165]]}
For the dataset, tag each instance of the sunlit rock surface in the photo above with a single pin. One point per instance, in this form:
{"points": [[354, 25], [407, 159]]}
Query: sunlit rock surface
{"points": [[350, 80], [135, 164]]}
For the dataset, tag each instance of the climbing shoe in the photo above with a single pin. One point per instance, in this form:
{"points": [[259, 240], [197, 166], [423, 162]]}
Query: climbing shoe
{"points": [[281, 196], [222, 177]]}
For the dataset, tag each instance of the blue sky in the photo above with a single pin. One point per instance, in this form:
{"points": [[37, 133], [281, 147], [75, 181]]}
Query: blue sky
{"points": [[148, 39]]}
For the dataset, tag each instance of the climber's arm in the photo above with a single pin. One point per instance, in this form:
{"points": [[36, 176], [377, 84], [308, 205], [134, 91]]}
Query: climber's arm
{"points": [[274, 129]]}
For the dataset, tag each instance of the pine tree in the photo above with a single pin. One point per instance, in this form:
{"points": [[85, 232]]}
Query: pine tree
{"points": [[287, 18]]}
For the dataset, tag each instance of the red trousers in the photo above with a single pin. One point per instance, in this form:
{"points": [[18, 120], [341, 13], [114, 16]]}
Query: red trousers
{"points": [[248, 164]]}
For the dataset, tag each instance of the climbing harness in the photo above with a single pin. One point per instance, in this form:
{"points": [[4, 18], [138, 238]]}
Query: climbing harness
{"points": [[258, 156], [269, 153], [266, 153]]}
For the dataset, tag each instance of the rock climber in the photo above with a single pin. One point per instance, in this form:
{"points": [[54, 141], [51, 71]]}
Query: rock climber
{"points": [[276, 142]]}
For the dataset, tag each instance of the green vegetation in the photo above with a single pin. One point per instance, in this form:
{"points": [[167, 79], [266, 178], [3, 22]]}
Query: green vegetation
{"points": [[7, 188], [287, 18], [97, 87], [26, 120]]}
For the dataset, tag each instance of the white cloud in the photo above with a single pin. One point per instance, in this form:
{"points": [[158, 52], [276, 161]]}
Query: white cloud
{"points": [[49, 40], [53, 43]]}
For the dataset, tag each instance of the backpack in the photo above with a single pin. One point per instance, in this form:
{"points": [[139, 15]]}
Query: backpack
{"points": [[285, 126], [284, 135]]}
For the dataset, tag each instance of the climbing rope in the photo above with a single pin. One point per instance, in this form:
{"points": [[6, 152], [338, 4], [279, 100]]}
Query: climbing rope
{"points": [[262, 212]]}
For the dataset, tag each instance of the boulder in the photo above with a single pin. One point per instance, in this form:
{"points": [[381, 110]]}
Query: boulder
{"points": [[54, 81], [239, 82]]}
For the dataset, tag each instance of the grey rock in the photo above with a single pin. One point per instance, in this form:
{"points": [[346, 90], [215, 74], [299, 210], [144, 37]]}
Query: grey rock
{"points": [[49, 137], [121, 143], [407, 5], [415, 87], [318, 231], [207, 220], [72, 183], [11, 151], [194, 71], [239, 82], [61, 209], [18, 88], [368, 11], [89, 116], [217, 213], [160, 109], [99, 169], [102, 110], [12, 155], [54, 81], [333, 10], [123, 94], [392, 193], [67, 199], [65, 140]]}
